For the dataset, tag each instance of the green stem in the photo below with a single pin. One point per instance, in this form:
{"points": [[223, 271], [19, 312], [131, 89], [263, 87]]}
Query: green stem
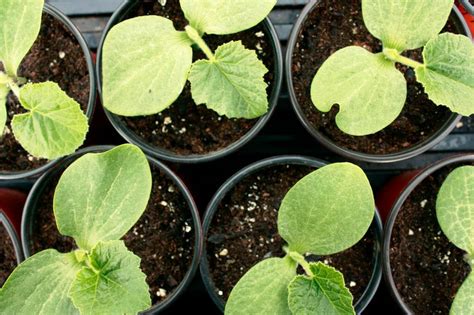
{"points": [[90, 265], [197, 39], [394, 55], [302, 261], [12, 83]]}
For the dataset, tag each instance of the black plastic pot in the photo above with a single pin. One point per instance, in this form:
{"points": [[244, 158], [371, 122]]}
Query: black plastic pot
{"points": [[418, 149], [393, 216], [39, 187], [13, 237], [58, 15], [161, 153], [255, 167]]}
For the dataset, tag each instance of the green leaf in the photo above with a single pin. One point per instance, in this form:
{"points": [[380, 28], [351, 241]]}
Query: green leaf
{"points": [[114, 285], [145, 66], [405, 24], [463, 303], [101, 196], [4, 90], [20, 22], [232, 84], [263, 289], [455, 208], [370, 91], [54, 125], [448, 75], [40, 285], [327, 211], [322, 293], [222, 17]]}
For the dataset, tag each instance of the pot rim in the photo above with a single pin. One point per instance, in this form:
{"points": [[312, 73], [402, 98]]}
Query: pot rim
{"points": [[269, 162], [13, 237], [167, 155], [39, 186], [406, 192], [417, 149]]}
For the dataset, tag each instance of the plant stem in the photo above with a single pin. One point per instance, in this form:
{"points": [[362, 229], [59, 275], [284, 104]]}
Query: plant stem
{"points": [[197, 39], [302, 261], [394, 55], [90, 265], [12, 83]]}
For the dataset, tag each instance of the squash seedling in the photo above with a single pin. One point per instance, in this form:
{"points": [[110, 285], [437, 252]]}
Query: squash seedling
{"points": [[455, 213], [369, 89], [54, 124], [324, 213], [98, 199], [146, 62]]}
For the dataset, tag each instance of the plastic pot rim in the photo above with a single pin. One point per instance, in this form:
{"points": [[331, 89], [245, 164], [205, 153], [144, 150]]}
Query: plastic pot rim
{"points": [[13, 237]]}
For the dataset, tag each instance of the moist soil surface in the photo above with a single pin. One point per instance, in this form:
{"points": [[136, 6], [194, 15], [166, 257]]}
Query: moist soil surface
{"points": [[163, 237], [333, 25], [426, 267], [7, 255], [185, 128], [55, 56], [244, 231]]}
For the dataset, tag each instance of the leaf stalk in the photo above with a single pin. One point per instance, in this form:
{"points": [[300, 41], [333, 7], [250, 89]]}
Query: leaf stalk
{"points": [[395, 56], [193, 34], [302, 261]]}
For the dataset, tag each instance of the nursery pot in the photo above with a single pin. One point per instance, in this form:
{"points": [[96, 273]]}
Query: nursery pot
{"points": [[403, 153], [12, 237], [11, 203], [131, 136], [414, 200], [40, 189], [64, 20], [283, 162]]}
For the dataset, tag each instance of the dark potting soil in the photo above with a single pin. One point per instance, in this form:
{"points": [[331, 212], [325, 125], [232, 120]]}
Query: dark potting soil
{"points": [[55, 56], [244, 231], [426, 267], [333, 25], [7, 255], [163, 237], [185, 128]]}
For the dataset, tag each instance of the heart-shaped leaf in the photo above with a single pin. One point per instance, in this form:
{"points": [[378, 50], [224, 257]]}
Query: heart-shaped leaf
{"points": [[463, 303]]}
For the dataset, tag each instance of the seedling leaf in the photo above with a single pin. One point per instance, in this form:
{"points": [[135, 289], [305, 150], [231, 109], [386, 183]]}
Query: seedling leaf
{"points": [[448, 76], [327, 211], [463, 303], [4, 90], [145, 66], [54, 125], [322, 293], [263, 289], [40, 285], [370, 91], [101, 196], [222, 17], [114, 284], [405, 24]]}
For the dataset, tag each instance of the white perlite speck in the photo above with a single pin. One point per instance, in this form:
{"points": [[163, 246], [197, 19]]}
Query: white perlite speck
{"points": [[423, 203], [62, 54], [410, 232], [224, 252], [352, 284], [161, 292]]}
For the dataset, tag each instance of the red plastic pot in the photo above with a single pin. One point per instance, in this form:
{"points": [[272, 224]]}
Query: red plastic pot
{"points": [[11, 205]]}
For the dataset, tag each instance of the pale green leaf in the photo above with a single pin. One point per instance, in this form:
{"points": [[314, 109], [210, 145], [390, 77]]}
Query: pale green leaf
{"points": [[323, 293], [232, 84], [263, 289], [225, 17], [4, 90], [463, 303], [370, 91], [20, 22], [448, 74], [145, 65], [54, 125], [40, 285], [328, 210], [405, 24], [455, 208], [115, 285], [102, 195]]}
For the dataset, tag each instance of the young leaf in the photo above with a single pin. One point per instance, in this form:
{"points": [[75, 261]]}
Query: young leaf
{"points": [[54, 125], [232, 84], [222, 17], [114, 285], [101, 196], [20, 22], [263, 289], [448, 74], [4, 90], [40, 285], [455, 208], [405, 24], [145, 66], [370, 91], [327, 211], [463, 303], [323, 293]]}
